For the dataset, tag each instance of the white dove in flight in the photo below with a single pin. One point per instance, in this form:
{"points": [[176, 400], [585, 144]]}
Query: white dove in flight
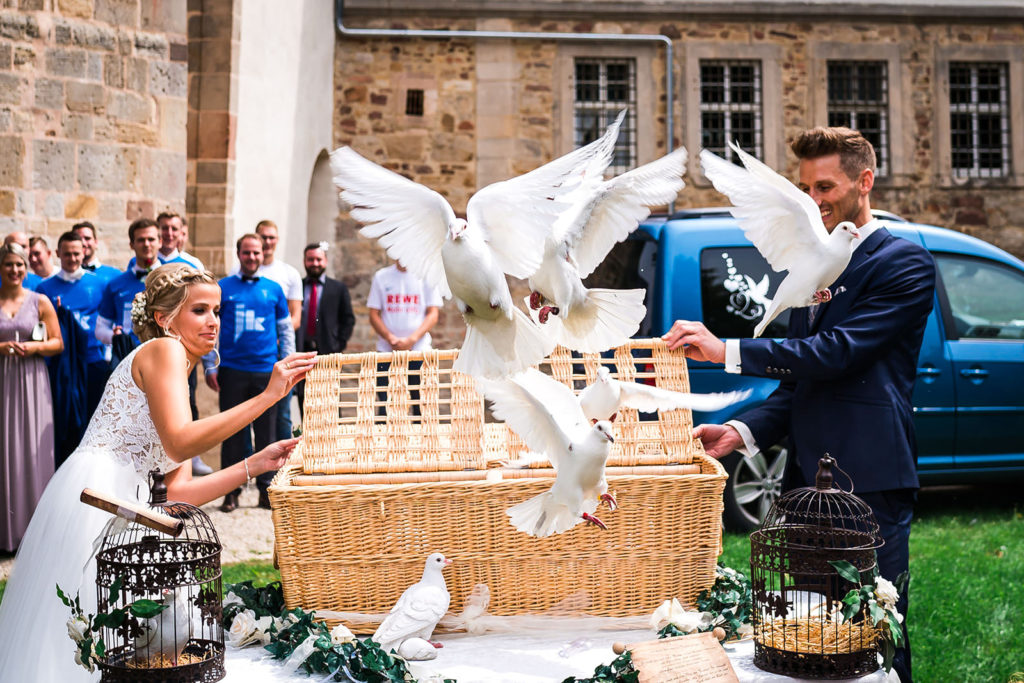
{"points": [[785, 225], [605, 396], [546, 415], [504, 231], [604, 213], [419, 608]]}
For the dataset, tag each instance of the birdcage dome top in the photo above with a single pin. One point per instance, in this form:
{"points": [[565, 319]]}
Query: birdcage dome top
{"points": [[827, 516]]}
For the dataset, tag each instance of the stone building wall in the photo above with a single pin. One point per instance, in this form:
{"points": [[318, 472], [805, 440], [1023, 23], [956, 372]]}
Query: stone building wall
{"points": [[491, 118], [92, 115]]}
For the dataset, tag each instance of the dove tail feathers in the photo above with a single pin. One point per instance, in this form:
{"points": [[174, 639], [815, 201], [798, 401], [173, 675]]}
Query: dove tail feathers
{"points": [[607, 318], [541, 516], [501, 347]]}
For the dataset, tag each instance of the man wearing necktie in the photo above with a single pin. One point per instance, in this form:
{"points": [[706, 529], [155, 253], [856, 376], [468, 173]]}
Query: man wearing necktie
{"points": [[90, 245], [327, 317], [115, 315]]}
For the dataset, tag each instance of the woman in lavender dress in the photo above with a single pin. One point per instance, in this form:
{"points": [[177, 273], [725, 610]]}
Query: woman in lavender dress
{"points": [[26, 423]]}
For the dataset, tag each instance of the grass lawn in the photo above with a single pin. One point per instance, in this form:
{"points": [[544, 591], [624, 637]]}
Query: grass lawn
{"points": [[967, 583]]}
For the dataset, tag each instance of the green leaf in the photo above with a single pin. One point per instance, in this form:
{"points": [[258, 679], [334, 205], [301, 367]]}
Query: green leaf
{"points": [[63, 598], [115, 588], [147, 609], [846, 570], [877, 613], [895, 629]]}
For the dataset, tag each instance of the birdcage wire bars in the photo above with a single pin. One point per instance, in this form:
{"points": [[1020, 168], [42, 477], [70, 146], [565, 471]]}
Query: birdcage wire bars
{"points": [[185, 642], [798, 625]]}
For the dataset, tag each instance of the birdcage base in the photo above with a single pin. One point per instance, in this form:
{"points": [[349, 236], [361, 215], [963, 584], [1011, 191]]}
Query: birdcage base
{"points": [[202, 661], [815, 665]]}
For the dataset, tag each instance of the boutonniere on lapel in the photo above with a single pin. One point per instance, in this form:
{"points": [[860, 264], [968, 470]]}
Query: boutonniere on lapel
{"points": [[786, 227]]}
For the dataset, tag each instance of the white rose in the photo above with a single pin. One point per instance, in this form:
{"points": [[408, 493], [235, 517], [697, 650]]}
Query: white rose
{"points": [[78, 628], [78, 660], [671, 612], [243, 628], [886, 593], [341, 635], [263, 630], [232, 599]]}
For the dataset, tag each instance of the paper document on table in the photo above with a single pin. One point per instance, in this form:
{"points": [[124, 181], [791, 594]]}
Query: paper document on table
{"points": [[697, 658]]}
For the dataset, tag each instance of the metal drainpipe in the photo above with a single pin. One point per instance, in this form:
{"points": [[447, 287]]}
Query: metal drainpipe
{"points": [[339, 7]]}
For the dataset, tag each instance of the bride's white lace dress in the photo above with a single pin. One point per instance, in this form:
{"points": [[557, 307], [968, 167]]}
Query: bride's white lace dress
{"points": [[118, 450]]}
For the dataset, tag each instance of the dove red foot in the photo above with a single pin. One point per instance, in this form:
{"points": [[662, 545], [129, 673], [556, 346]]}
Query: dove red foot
{"points": [[610, 500], [594, 520], [823, 297], [543, 313], [536, 300]]}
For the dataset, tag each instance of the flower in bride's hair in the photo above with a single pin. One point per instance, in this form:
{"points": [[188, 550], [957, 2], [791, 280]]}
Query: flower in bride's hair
{"points": [[139, 308]]}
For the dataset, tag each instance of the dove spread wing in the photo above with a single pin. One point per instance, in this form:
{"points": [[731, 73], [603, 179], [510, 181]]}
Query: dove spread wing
{"points": [[780, 220], [410, 220], [541, 410], [516, 215], [622, 203], [647, 399], [419, 607]]}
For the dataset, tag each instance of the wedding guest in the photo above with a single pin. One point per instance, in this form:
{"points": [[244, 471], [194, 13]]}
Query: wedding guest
{"points": [[327, 318], [90, 247], [143, 424], [403, 309], [22, 240], [80, 291], [40, 259], [173, 235], [28, 332], [256, 324], [848, 365], [115, 313]]}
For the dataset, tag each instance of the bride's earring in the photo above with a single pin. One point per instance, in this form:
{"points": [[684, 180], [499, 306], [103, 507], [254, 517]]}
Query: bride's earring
{"points": [[167, 333], [216, 353]]}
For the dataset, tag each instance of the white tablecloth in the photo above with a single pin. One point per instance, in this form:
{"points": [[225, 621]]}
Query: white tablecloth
{"points": [[513, 659]]}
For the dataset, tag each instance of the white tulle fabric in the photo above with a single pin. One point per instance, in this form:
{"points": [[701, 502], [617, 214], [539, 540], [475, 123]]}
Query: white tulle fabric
{"points": [[118, 450]]}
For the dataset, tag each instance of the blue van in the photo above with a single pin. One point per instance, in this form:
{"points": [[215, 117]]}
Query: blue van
{"points": [[969, 395]]}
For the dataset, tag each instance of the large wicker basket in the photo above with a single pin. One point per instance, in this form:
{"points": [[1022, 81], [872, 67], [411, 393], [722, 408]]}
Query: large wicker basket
{"points": [[368, 497]]}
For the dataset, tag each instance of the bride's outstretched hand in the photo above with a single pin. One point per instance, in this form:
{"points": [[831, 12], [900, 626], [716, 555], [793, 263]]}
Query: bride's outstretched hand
{"points": [[289, 371], [273, 457]]}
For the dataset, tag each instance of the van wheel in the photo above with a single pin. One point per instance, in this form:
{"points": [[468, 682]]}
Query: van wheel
{"points": [[752, 487]]}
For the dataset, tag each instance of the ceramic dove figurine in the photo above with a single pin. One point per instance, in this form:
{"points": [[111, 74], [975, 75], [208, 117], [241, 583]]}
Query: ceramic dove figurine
{"points": [[785, 225], [417, 611], [546, 415], [603, 398]]}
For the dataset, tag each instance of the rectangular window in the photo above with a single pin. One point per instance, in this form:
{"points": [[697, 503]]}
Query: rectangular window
{"points": [[413, 102], [858, 98], [602, 88], [979, 119], [730, 106]]}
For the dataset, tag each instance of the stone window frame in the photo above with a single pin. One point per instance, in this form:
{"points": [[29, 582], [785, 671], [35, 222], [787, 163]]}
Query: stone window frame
{"points": [[728, 106], [770, 57], [1013, 55], [607, 111], [900, 148], [649, 105]]}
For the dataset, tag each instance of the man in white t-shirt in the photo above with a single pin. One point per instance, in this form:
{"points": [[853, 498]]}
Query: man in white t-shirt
{"points": [[403, 309]]}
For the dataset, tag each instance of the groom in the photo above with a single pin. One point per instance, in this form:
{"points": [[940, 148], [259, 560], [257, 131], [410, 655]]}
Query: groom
{"points": [[847, 368]]}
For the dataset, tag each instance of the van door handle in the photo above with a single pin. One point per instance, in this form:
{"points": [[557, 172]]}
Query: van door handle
{"points": [[928, 372], [974, 373]]}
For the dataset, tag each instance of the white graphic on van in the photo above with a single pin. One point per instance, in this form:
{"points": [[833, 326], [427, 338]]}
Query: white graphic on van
{"points": [[747, 299]]}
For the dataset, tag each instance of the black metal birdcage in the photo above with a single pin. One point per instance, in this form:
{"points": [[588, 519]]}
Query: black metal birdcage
{"points": [[185, 641], [799, 629]]}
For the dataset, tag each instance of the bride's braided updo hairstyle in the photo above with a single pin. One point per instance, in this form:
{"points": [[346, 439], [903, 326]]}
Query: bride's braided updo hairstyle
{"points": [[166, 291]]}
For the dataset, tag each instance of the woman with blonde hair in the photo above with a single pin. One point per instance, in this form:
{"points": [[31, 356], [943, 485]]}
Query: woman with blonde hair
{"points": [[28, 333], [143, 422]]}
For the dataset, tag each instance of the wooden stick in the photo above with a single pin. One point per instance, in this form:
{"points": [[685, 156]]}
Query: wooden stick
{"points": [[133, 512]]}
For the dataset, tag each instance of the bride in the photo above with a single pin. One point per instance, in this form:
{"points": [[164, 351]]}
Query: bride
{"points": [[143, 422]]}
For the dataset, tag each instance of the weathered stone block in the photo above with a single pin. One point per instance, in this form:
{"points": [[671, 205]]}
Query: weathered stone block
{"points": [[31, 5], [81, 9], [168, 16], [101, 167], [85, 97], [7, 202], [168, 78], [165, 174], [6, 56], [120, 12], [138, 74], [211, 172], [53, 205], [53, 165], [68, 63], [5, 120], [18, 26], [152, 45], [404, 147], [215, 91], [77, 126], [94, 37], [94, 69], [11, 87], [173, 117], [113, 70], [26, 202], [81, 207], [24, 58], [130, 107], [179, 52], [216, 135], [128, 133], [62, 32], [49, 94]]}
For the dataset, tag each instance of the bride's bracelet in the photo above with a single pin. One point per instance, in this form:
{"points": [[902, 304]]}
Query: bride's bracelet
{"points": [[247, 475]]}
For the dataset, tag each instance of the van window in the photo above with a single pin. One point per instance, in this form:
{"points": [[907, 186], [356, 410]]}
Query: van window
{"points": [[736, 285], [986, 298]]}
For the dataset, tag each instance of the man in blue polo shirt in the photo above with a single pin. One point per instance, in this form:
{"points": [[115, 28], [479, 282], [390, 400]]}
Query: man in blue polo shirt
{"points": [[80, 291], [90, 259], [115, 314], [254, 320]]}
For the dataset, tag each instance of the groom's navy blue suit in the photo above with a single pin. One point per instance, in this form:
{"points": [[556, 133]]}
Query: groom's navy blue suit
{"points": [[847, 379]]}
